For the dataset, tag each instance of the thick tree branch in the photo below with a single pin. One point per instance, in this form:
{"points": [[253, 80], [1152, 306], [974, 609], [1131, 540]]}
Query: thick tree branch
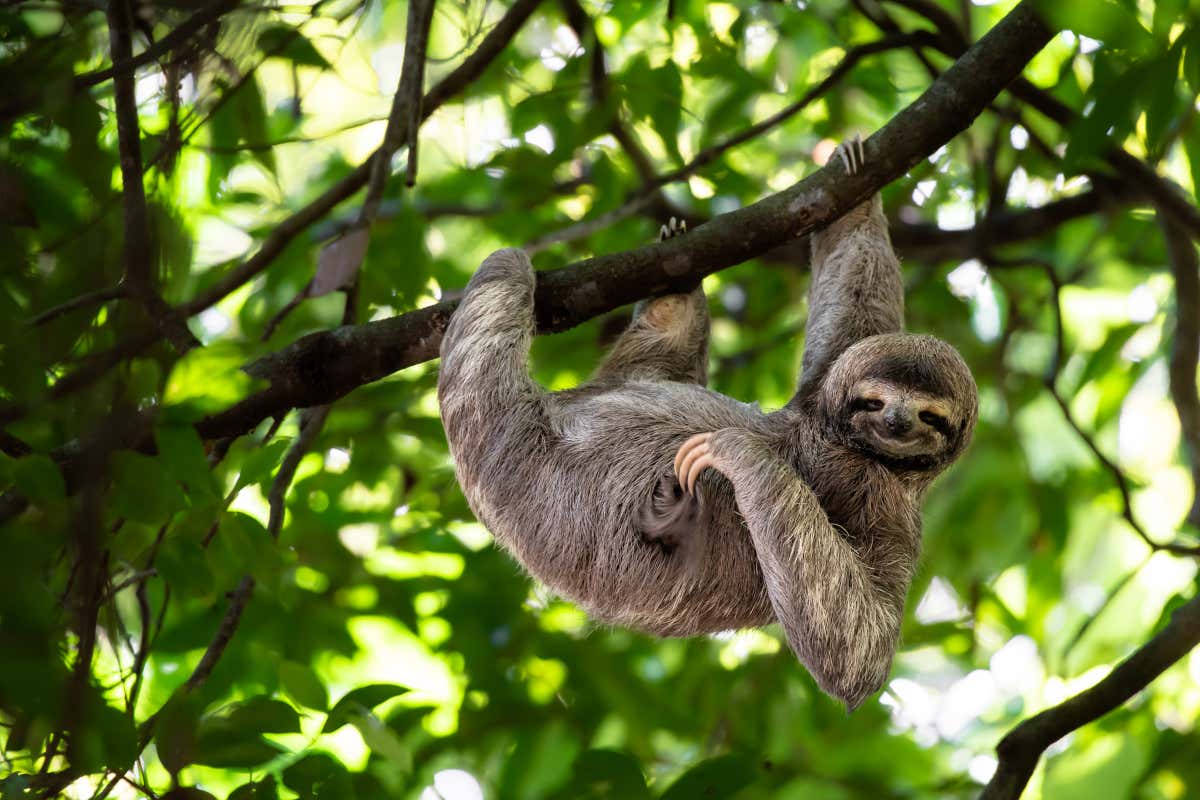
{"points": [[1021, 749], [324, 366]]}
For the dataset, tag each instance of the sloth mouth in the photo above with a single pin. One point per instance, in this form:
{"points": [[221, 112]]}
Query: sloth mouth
{"points": [[906, 445], [907, 453]]}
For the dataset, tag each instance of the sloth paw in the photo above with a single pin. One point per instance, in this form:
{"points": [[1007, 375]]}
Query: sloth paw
{"points": [[694, 456], [851, 153], [676, 227]]}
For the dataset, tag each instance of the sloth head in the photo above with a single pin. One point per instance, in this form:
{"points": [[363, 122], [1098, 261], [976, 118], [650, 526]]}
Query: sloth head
{"points": [[908, 401]]}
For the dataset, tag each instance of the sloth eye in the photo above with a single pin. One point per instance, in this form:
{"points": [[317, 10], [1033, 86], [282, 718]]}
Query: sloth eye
{"points": [[866, 404], [935, 421]]}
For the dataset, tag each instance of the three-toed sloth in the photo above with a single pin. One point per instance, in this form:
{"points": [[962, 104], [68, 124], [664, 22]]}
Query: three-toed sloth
{"points": [[661, 505]]}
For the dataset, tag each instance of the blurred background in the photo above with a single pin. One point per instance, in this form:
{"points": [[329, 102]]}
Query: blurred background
{"points": [[385, 647]]}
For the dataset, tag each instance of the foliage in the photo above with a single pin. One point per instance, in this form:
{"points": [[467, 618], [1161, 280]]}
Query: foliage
{"points": [[156, 623]]}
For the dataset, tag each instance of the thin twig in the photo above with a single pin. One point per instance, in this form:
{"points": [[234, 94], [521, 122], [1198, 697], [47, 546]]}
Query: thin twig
{"points": [[311, 422], [238, 599], [86, 300], [405, 116], [848, 62], [130, 580]]}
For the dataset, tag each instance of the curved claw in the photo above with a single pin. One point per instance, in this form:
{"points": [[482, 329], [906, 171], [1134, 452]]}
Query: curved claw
{"points": [[694, 456], [676, 227], [851, 153]]}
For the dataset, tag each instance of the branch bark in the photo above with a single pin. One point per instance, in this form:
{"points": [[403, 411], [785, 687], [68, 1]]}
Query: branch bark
{"points": [[1022, 748], [321, 367]]}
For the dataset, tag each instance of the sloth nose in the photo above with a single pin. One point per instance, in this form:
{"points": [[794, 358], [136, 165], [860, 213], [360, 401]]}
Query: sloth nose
{"points": [[898, 420]]}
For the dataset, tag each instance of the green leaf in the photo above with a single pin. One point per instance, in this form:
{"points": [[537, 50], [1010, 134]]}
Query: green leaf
{"points": [[1104, 20], [180, 449], [382, 740], [603, 774], [319, 777], [1160, 101], [303, 685], [188, 793], [176, 731], [1105, 357], [265, 714], [259, 464], [182, 564], [209, 379], [1191, 58], [355, 702], [661, 95], [243, 547], [286, 42], [1117, 92], [1166, 14], [142, 490], [256, 790], [714, 779], [37, 477], [233, 749]]}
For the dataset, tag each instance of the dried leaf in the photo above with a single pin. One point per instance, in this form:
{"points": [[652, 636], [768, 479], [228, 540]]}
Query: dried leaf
{"points": [[338, 263]]}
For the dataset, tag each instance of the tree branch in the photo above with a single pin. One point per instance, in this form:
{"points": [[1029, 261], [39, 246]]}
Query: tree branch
{"points": [[321, 367], [139, 265], [1021, 749]]}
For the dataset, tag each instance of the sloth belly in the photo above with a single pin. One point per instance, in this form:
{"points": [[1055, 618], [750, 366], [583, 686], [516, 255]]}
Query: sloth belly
{"points": [[575, 526]]}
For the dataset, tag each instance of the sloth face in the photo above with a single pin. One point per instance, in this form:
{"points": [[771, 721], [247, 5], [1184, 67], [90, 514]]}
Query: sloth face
{"points": [[905, 425], [906, 400]]}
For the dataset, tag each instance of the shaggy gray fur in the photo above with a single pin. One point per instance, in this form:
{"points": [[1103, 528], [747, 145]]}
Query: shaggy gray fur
{"points": [[806, 517]]}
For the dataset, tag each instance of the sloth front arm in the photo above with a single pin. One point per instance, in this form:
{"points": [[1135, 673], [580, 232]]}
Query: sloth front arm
{"points": [[841, 618], [856, 289]]}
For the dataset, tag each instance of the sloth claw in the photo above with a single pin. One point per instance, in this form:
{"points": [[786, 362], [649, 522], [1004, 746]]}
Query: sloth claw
{"points": [[851, 159], [676, 227], [694, 456]]}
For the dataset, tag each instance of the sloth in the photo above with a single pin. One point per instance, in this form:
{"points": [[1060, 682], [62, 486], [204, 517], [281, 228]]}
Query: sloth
{"points": [[658, 504]]}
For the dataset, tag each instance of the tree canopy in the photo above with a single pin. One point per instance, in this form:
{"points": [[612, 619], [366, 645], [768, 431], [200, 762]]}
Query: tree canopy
{"points": [[236, 560]]}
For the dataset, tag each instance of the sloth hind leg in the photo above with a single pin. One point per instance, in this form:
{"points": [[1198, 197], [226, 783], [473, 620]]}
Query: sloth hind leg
{"points": [[667, 340]]}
